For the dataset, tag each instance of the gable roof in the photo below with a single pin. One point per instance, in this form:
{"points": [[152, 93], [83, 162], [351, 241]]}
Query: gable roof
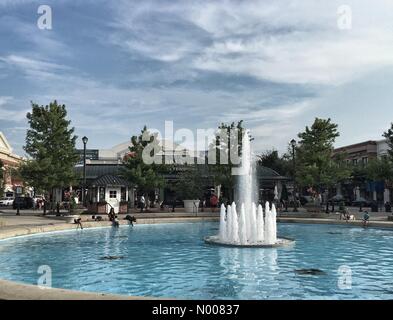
{"points": [[109, 180]]}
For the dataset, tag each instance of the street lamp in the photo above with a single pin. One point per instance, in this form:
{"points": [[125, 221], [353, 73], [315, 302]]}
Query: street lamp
{"points": [[293, 144], [84, 140]]}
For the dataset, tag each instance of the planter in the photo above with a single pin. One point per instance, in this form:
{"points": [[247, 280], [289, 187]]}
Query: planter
{"points": [[123, 208], [191, 206], [101, 208]]}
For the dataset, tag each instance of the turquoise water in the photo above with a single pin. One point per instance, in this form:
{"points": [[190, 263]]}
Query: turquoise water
{"points": [[171, 260]]}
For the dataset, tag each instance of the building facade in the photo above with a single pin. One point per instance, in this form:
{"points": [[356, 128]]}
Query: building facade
{"points": [[11, 184], [106, 165], [360, 154]]}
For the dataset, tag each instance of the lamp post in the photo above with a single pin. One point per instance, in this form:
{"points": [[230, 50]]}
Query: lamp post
{"points": [[293, 144], [84, 140]]}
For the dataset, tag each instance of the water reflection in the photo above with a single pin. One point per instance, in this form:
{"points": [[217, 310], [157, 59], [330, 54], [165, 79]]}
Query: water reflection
{"points": [[250, 269]]}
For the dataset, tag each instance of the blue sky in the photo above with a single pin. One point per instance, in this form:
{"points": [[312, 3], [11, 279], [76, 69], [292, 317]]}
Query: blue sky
{"points": [[121, 64]]}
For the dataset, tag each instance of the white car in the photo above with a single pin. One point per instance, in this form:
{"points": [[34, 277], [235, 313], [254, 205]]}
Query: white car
{"points": [[6, 202]]}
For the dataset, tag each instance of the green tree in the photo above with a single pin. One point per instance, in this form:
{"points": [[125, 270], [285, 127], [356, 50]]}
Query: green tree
{"points": [[222, 149], [379, 170], [315, 165], [389, 138], [191, 182], [50, 144], [145, 176], [282, 164]]}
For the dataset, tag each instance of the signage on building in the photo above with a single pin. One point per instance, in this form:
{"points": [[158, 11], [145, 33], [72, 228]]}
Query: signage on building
{"points": [[91, 154]]}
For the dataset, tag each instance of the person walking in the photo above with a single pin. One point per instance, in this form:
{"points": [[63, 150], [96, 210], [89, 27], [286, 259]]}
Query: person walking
{"points": [[142, 202], [213, 202]]}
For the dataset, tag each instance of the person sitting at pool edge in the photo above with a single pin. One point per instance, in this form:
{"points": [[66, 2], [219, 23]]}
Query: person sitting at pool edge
{"points": [[111, 214], [366, 219]]}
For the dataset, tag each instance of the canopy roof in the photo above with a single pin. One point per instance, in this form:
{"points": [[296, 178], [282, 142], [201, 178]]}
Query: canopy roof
{"points": [[109, 180]]}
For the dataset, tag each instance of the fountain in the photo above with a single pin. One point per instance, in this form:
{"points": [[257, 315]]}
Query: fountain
{"points": [[251, 226]]}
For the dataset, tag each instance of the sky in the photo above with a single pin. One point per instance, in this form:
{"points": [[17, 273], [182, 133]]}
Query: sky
{"points": [[118, 65]]}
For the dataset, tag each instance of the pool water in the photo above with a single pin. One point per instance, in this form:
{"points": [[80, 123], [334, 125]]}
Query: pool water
{"points": [[172, 260]]}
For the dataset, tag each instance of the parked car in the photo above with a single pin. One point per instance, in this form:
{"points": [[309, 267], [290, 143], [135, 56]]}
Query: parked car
{"points": [[6, 202], [23, 203]]}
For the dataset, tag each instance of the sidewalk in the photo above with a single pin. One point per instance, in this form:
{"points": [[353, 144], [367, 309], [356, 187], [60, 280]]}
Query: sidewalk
{"points": [[374, 216], [25, 221], [8, 217]]}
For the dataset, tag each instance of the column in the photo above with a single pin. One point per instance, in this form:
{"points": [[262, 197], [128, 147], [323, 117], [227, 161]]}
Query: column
{"points": [[357, 193], [386, 195]]}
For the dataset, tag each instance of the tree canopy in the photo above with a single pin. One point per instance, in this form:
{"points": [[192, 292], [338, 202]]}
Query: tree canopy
{"points": [[50, 144], [144, 175], [389, 139], [316, 165], [282, 164], [226, 150]]}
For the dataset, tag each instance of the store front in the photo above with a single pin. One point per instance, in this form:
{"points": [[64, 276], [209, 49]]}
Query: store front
{"points": [[108, 192]]}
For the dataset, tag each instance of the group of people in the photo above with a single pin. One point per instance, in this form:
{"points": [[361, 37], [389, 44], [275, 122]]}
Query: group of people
{"points": [[144, 203], [345, 215], [115, 220]]}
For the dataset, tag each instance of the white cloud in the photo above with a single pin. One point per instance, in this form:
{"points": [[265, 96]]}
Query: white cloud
{"points": [[287, 41], [169, 48], [8, 112], [36, 69]]}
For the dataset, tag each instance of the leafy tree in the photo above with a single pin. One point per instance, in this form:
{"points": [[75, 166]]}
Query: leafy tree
{"points": [[191, 182], [379, 170], [271, 159], [315, 165], [389, 138], [359, 174], [146, 176], [50, 144], [226, 151]]}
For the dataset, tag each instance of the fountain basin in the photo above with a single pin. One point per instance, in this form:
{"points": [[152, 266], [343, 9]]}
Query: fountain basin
{"points": [[281, 242]]}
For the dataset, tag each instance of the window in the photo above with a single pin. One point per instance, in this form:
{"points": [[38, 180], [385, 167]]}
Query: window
{"points": [[355, 162], [364, 160], [113, 194]]}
